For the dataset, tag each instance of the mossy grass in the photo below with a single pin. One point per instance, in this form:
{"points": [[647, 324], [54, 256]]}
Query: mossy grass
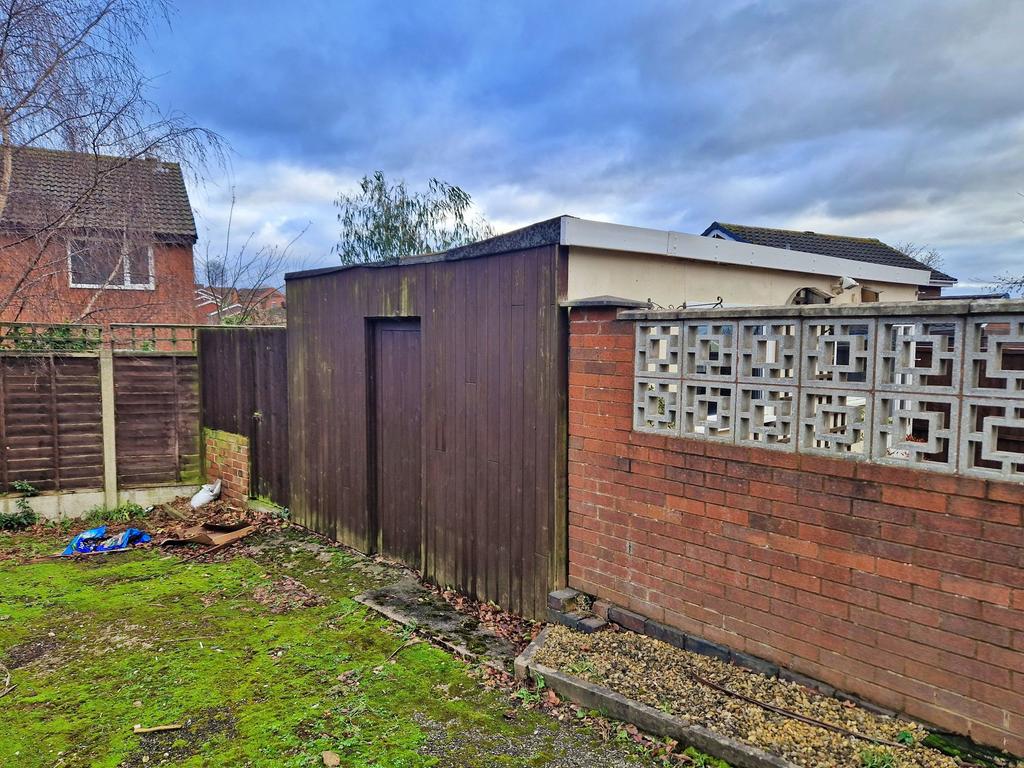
{"points": [[101, 644]]}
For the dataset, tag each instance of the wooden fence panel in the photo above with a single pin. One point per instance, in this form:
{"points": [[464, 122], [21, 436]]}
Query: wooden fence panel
{"points": [[244, 388], [51, 433], [157, 419]]}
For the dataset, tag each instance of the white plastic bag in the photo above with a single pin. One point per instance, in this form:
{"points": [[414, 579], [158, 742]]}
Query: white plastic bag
{"points": [[206, 494]]}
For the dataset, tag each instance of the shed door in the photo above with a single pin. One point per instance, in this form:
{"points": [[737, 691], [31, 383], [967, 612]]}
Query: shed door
{"points": [[397, 439]]}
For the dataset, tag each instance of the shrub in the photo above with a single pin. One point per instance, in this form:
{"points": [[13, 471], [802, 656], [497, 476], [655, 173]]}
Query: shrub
{"points": [[24, 516], [122, 514]]}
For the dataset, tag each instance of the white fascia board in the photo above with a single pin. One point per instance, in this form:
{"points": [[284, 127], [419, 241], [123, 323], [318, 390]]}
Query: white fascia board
{"points": [[619, 237]]}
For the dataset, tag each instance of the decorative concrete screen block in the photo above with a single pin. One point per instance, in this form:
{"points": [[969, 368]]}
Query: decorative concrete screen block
{"points": [[709, 351], [920, 355], [994, 364], [939, 389], [657, 350], [766, 416], [707, 410], [835, 422], [918, 431], [838, 353], [656, 406], [992, 438], [769, 350]]}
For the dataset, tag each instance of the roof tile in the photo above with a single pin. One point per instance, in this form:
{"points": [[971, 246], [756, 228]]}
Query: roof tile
{"points": [[866, 249], [104, 192]]}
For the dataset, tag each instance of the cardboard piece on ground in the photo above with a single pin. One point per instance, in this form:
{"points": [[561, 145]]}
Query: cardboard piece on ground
{"points": [[212, 534]]}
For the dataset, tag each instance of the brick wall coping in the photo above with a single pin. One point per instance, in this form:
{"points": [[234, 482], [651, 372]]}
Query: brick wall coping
{"points": [[875, 309]]}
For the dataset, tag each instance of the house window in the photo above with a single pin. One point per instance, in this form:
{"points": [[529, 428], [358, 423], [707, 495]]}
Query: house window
{"points": [[101, 263]]}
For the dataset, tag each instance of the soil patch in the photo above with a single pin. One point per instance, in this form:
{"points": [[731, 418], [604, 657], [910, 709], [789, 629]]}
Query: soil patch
{"points": [[659, 675], [172, 747], [561, 746], [28, 652], [286, 594]]}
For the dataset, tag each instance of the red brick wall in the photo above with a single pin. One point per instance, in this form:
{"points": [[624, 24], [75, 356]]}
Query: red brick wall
{"points": [[900, 586], [226, 457], [46, 296]]}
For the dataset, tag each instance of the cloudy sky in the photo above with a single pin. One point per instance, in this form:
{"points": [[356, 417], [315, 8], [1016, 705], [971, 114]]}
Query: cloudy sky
{"points": [[901, 120]]}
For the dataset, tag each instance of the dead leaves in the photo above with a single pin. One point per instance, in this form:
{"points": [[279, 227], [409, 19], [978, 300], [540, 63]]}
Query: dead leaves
{"points": [[514, 629], [286, 594]]}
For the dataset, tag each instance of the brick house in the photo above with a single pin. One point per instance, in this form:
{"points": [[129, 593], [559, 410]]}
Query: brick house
{"points": [[264, 305], [96, 239], [869, 250]]}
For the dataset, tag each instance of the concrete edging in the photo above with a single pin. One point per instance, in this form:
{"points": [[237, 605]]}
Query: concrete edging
{"points": [[648, 719], [73, 505]]}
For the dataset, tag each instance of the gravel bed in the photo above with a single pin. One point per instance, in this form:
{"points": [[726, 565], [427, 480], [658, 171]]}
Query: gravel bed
{"points": [[655, 673]]}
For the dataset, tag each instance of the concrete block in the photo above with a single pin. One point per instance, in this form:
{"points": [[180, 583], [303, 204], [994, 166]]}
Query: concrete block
{"points": [[521, 665], [754, 664], [600, 608], [612, 704], [561, 599], [627, 619], [592, 624], [666, 634], [707, 648], [571, 620]]}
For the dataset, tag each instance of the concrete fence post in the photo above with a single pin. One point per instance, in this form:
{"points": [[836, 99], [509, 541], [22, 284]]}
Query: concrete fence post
{"points": [[109, 431]]}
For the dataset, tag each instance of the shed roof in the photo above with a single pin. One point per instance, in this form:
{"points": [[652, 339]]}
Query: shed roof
{"points": [[102, 191], [585, 234], [866, 249]]}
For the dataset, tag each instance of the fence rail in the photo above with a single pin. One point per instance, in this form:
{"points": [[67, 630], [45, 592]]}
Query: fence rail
{"points": [[122, 338], [932, 385], [24, 338], [152, 339]]}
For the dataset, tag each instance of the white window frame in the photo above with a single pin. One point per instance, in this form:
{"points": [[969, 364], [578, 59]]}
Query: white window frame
{"points": [[127, 285]]}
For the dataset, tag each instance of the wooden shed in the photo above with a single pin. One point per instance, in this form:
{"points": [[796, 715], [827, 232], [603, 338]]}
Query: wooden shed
{"points": [[427, 399], [428, 413]]}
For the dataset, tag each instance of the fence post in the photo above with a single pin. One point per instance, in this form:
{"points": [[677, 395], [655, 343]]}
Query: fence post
{"points": [[109, 432]]}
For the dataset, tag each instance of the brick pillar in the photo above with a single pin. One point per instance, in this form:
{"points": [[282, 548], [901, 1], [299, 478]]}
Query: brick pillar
{"points": [[227, 458]]}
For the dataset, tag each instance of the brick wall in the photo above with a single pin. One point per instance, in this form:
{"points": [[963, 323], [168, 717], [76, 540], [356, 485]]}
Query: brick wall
{"points": [[47, 296], [900, 586], [227, 457]]}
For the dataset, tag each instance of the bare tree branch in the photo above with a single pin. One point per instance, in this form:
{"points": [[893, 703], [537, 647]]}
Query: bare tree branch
{"points": [[70, 80], [239, 281], [925, 254]]}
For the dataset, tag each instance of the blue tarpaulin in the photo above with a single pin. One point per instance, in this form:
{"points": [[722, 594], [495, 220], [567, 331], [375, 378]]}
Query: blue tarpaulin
{"points": [[96, 540]]}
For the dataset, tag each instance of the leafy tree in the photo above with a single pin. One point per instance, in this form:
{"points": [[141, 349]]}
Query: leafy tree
{"points": [[384, 222]]}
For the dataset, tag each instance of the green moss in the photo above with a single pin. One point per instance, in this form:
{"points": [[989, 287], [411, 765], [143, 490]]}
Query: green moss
{"points": [[189, 644], [965, 749]]}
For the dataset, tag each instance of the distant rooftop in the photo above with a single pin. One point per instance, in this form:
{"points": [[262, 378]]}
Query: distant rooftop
{"points": [[866, 249]]}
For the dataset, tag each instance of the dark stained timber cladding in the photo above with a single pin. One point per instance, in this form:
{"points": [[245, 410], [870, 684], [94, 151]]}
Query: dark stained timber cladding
{"points": [[157, 419], [51, 433], [244, 390], [493, 351]]}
